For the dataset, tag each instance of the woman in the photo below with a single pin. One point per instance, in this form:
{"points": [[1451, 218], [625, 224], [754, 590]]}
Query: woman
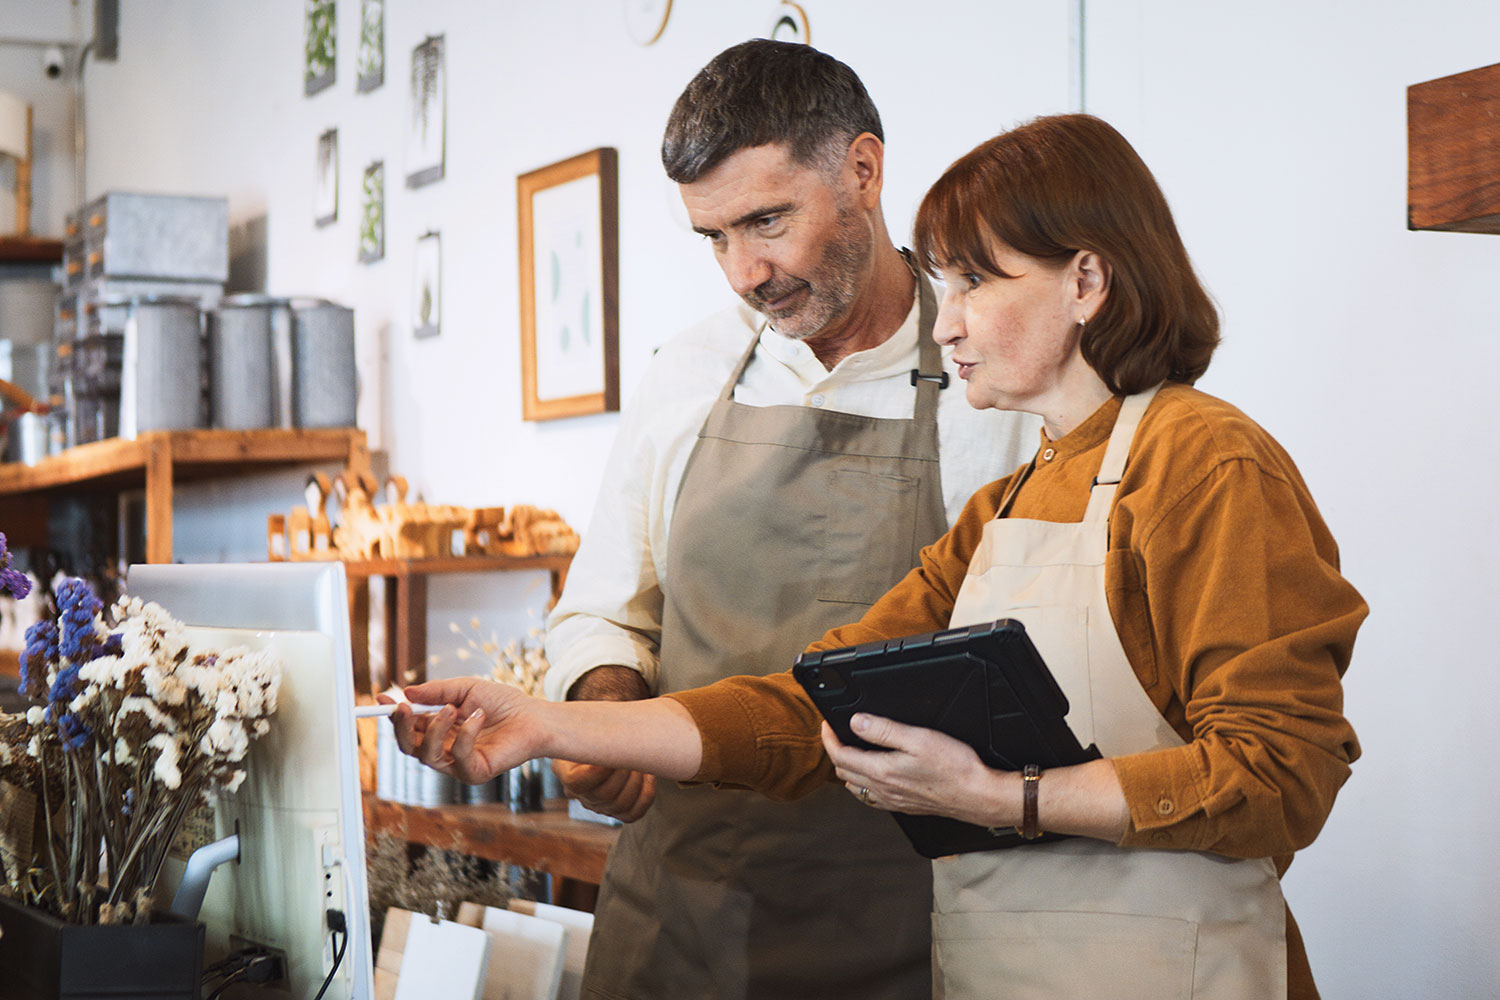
{"points": [[1167, 560]]}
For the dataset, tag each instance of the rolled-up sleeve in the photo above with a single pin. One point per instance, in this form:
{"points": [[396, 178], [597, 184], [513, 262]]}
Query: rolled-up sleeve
{"points": [[1232, 608]]}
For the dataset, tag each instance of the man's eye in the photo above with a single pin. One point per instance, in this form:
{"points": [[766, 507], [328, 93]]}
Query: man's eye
{"points": [[970, 279]]}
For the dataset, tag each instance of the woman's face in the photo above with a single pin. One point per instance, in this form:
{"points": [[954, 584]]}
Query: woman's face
{"points": [[1016, 339]]}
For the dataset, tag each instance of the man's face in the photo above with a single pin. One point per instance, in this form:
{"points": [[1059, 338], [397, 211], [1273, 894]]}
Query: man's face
{"points": [[791, 239]]}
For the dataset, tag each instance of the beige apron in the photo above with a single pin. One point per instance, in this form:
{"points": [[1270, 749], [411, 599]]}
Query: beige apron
{"points": [[1080, 917], [790, 520]]}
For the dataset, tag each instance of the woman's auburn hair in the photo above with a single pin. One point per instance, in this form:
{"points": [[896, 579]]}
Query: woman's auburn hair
{"points": [[1065, 183]]}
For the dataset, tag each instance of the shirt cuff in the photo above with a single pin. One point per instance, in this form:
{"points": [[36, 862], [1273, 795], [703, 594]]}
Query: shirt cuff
{"points": [[727, 729], [566, 666], [1165, 797]]}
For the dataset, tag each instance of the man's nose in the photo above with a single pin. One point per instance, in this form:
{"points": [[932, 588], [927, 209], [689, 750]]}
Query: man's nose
{"points": [[745, 266]]}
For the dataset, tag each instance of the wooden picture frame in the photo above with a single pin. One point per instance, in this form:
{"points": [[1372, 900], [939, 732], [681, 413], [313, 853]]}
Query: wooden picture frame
{"points": [[568, 222]]}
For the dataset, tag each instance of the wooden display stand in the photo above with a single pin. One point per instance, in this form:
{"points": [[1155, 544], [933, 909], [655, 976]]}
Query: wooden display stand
{"points": [[405, 582]]}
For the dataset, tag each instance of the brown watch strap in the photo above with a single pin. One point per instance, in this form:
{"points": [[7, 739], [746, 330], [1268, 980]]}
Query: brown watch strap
{"points": [[1031, 779]]}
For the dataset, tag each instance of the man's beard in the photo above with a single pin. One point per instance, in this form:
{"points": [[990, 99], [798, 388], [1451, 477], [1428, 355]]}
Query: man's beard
{"points": [[833, 285]]}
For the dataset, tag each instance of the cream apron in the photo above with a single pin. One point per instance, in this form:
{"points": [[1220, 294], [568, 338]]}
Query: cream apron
{"points": [[1083, 918], [790, 520]]}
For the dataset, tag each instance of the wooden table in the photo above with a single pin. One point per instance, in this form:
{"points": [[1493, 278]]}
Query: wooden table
{"points": [[549, 841], [157, 460]]}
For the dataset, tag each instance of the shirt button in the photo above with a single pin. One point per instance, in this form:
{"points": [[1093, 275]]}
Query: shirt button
{"points": [[1048, 455], [817, 399], [1161, 837], [1165, 807]]}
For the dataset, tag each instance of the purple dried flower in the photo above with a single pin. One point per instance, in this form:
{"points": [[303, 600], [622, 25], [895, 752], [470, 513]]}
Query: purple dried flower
{"points": [[73, 732], [77, 605], [12, 581], [41, 651]]}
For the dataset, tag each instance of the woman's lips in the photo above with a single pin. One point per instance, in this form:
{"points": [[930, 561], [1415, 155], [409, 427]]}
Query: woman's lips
{"points": [[964, 368]]}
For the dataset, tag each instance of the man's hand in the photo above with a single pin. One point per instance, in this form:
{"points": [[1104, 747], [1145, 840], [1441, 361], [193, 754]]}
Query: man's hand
{"points": [[624, 795]]}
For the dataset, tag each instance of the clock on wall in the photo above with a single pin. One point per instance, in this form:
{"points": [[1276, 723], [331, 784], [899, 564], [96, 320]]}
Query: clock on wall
{"points": [[789, 24], [645, 20]]}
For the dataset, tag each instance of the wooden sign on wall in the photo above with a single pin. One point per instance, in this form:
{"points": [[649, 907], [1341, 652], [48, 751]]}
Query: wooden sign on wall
{"points": [[1453, 152]]}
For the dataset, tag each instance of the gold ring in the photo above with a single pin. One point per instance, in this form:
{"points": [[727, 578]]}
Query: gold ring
{"points": [[864, 794]]}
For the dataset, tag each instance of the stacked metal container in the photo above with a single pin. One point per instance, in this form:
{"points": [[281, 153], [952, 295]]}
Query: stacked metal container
{"points": [[146, 339], [138, 270]]}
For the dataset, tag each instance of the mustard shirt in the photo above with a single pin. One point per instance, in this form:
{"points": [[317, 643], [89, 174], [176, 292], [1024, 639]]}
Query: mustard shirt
{"points": [[1224, 587]]}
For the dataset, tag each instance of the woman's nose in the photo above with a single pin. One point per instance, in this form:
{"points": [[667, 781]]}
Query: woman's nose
{"points": [[948, 328]]}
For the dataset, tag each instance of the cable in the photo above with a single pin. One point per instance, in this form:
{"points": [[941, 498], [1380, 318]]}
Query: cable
{"points": [[340, 930]]}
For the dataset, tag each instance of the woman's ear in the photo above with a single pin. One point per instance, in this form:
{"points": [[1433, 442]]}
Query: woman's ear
{"points": [[1091, 274]]}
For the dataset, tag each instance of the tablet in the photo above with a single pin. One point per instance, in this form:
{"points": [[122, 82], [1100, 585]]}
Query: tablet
{"points": [[983, 684]]}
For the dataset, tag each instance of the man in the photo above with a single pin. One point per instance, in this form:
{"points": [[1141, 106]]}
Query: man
{"points": [[777, 471]]}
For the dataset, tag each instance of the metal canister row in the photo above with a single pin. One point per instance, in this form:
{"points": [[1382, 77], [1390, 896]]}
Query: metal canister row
{"points": [[164, 362]]}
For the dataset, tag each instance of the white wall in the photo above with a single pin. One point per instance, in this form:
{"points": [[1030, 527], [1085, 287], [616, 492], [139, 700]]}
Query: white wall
{"points": [[26, 29], [1278, 132]]}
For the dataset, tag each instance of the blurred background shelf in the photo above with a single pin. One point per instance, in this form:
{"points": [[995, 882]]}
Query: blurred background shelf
{"points": [[156, 460]]}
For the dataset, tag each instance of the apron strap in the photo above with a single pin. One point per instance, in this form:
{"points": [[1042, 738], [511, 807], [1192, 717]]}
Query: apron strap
{"points": [[1102, 494]]}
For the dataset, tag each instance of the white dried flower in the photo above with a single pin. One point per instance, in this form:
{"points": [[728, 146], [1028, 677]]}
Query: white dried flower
{"points": [[166, 769], [225, 738], [34, 715]]}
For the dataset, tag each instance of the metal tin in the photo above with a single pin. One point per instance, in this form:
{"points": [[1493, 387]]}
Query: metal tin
{"points": [[27, 305], [161, 376], [177, 237], [325, 383], [245, 375]]}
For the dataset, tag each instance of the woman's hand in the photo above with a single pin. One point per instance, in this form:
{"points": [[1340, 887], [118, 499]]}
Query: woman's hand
{"points": [[484, 728], [925, 773]]}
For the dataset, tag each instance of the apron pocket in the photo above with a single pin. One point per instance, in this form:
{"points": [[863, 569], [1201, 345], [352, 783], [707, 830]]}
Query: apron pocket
{"points": [[869, 535], [1056, 955]]}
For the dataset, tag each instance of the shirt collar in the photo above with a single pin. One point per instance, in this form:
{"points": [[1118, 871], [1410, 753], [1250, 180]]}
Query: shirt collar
{"points": [[1094, 431], [880, 361]]}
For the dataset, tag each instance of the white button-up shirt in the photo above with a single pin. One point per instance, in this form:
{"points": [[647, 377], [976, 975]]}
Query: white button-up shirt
{"points": [[611, 609]]}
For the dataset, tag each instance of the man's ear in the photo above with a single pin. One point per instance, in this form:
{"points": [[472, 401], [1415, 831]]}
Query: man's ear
{"points": [[1091, 277], [866, 161]]}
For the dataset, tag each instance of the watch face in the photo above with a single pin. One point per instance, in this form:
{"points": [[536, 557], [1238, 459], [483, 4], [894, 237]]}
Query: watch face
{"points": [[788, 24], [646, 19]]}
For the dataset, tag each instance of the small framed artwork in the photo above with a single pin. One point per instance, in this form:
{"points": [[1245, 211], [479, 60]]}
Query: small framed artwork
{"points": [[425, 127], [371, 61], [326, 191], [427, 288], [568, 216], [372, 214], [320, 46]]}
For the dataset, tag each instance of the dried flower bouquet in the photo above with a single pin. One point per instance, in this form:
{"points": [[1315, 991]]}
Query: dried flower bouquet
{"points": [[130, 727]]}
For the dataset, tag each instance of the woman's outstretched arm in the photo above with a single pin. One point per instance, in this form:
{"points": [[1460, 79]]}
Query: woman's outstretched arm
{"points": [[487, 728]]}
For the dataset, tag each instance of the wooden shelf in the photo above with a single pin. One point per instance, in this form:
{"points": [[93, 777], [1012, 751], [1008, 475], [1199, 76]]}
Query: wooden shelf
{"points": [[406, 605], [157, 460], [549, 841], [30, 250], [456, 564]]}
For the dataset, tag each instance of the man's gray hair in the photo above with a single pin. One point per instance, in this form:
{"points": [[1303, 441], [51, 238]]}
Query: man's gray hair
{"points": [[761, 92]]}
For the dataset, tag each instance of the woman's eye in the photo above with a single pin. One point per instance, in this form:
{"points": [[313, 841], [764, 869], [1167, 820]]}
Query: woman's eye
{"points": [[971, 279]]}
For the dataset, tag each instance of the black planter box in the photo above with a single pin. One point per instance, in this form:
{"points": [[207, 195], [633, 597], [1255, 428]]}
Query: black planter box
{"points": [[42, 958]]}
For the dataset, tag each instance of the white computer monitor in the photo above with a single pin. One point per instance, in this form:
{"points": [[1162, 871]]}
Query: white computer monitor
{"points": [[298, 813]]}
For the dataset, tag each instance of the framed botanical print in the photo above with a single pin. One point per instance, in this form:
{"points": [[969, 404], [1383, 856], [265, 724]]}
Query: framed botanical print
{"points": [[569, 262]]}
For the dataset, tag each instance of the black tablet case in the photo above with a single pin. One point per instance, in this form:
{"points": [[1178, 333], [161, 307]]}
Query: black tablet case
{"points": [[983, 684]]}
